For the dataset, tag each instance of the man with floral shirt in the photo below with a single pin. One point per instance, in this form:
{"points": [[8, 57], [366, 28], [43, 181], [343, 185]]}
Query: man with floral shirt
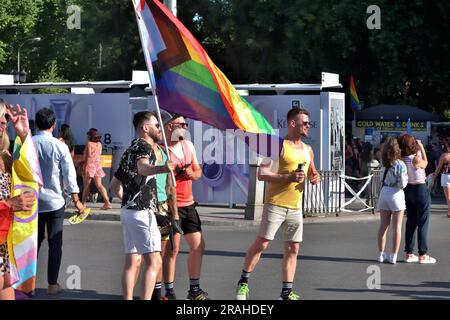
{"points": [[142, 239]]}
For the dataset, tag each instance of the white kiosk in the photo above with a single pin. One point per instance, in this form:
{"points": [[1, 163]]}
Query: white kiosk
{"points": [[221, 184], [228, 184]]}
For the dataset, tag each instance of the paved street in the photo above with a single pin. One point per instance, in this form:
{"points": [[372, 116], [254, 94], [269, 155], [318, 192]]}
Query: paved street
{"points": [[333, 263]]}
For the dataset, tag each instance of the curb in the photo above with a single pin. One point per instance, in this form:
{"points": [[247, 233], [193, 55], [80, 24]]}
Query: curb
{"points": [[239, 222]]}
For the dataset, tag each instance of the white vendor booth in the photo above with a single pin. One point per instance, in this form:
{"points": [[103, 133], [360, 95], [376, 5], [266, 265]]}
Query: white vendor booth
{"points": [[109, 106], [230, 184]]}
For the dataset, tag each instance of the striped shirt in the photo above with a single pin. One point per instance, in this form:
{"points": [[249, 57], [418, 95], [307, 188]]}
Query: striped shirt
{"points": [[415, 176]]}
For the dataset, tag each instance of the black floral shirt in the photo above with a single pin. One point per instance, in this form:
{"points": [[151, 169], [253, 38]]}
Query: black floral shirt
{"points": [[133, 182]]}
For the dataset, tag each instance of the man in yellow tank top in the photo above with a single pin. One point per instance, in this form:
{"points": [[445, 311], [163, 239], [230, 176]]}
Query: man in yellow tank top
{"points": [[283, 203]]}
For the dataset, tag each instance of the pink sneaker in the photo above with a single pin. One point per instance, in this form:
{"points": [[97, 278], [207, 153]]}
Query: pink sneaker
{"points": [[411, 257], [426, 259]]}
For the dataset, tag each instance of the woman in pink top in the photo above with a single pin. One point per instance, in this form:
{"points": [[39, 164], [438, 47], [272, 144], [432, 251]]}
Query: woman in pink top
{"points": [[93, 168], [417, 199]]}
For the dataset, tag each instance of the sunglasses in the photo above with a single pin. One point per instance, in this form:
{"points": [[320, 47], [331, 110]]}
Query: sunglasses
{"points": [[156, 124], [183, 125]]}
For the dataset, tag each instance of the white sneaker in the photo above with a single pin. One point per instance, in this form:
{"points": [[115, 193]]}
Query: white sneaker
{"points": [[426, 259], [411, 258], [392, 258], [382, 257]]}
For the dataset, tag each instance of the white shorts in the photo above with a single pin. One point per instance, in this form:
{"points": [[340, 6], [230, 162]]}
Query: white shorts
{"points": [[290, 220], [445, 180], [140, 231], [391, 199]]}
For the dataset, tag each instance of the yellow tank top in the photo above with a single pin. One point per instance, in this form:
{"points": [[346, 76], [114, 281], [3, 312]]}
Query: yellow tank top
{"points": [[289, 194]]}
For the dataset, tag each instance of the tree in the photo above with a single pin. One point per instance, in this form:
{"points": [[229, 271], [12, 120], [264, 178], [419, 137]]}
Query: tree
{"points": [[406, 61], [17, 21], [50, 74]]}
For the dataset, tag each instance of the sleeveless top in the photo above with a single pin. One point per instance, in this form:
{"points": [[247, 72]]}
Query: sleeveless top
{"points": [[185, 196], [415, 176], [289, 194], [446, 168], [161, 179]]}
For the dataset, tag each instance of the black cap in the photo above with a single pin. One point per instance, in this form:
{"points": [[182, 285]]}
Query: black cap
{"points": [[167, 116]]}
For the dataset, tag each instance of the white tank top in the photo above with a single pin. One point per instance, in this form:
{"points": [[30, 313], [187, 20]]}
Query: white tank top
{"points": [[415, 176]]}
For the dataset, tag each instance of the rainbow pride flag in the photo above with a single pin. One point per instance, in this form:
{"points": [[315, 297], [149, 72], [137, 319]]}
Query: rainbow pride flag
{"points": [[22, 238], [354, 101], [187, 82]]}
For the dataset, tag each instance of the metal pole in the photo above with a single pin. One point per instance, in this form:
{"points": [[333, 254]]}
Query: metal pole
{"points": [[172, 5], [100, 52], [18, 64], [153, 88], [18, 54]]}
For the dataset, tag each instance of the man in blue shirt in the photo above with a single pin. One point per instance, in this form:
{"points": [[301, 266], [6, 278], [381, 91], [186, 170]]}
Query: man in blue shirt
{"points": [[56, 162]]}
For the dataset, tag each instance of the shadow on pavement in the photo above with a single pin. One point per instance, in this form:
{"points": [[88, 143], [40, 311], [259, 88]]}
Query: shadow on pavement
{"points": [[280, 256], [66, 294], [408, 292]]}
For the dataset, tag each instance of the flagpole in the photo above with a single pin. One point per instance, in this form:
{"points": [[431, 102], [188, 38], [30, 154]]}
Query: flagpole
{"points": [[153, 88]]}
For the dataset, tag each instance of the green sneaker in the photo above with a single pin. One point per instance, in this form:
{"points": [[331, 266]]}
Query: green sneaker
{"points": [[242, 291], [199, 295], [291, 296]]}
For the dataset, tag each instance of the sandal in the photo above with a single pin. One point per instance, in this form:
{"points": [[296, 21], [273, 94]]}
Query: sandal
{"points": [[106, 208], [79, 217]]}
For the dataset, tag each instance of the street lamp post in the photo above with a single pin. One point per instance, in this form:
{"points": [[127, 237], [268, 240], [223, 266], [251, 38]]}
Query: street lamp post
{"points": [[18, 55]]}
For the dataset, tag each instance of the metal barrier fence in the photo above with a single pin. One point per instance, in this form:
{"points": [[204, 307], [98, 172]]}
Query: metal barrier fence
{"points": [[327, 197], [375, 187]]}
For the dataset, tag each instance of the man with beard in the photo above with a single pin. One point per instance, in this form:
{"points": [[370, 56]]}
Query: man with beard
{"points": [[187, 169], [283, 203], [136, 173]]}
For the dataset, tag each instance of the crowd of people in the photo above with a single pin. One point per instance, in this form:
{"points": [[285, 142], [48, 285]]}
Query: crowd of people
{"points": [[142, 181], [158, 208]]}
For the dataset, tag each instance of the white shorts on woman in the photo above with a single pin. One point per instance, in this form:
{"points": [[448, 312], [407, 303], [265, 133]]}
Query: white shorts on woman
{"points": [[391, 199], [445, 180]]}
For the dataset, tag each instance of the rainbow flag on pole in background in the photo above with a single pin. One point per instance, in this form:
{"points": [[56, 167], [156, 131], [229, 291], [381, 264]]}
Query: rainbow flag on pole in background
{"points": [[22, 238], [187, 82], [354, 101]]}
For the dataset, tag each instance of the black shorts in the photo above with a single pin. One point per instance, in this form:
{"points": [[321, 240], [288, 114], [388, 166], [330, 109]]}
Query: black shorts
{"points": [[189, 219]]}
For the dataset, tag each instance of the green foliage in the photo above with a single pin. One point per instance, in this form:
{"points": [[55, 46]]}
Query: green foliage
{"points": [[275, 41], [51, 75], [17, 20], [252, 41]]}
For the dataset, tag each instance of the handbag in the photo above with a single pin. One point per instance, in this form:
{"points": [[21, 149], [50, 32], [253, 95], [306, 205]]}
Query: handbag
{"points": [[163, 221], [6, 218]]}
